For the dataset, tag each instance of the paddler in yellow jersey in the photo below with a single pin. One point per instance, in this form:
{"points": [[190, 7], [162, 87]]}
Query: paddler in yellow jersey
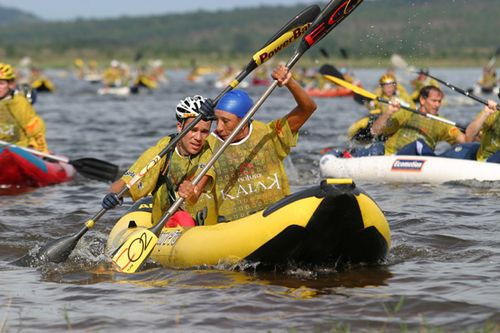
{"points": [[250, 172], [487, 124], [389, 89], [413, 134], [421, 81], [172, 175], [19, 123]]}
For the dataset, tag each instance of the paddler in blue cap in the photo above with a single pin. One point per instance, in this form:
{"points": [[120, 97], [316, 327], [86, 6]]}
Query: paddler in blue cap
{"points": [[250, 174]]}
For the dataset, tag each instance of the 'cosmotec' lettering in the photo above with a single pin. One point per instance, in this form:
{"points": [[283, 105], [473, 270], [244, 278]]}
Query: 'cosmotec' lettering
{"points": [[286, 39], [338, 14], [408, 165]]}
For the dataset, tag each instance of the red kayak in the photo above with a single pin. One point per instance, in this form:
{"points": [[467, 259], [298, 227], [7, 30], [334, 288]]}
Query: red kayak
{"points": [[331, 92], [20, 169]]}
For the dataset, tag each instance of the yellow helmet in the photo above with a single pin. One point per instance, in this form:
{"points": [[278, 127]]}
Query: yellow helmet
{"points": [[79, 63], [6, 72], [387, 78]]}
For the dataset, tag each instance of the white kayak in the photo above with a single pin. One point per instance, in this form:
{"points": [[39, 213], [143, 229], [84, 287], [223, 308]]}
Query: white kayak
{"points": [[116, 91], [408, 169]]}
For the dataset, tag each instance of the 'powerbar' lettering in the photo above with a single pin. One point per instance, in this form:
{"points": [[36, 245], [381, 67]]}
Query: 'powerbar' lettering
{"points": [[286, 39]]}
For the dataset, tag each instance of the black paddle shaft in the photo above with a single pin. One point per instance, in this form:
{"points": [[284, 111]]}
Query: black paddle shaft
{"points": [[459, 90]]}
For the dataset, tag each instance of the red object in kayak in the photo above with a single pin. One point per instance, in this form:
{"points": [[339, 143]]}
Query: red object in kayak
{"points": [[260, 82], [19, 168], [332, 92]]}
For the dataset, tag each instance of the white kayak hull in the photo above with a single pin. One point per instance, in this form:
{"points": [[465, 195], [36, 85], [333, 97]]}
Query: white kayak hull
{"points": [[116, 91], [408, 169]]}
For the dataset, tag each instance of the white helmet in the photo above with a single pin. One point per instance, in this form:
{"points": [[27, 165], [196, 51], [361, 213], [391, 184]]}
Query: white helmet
{"points": [[189, 107]]}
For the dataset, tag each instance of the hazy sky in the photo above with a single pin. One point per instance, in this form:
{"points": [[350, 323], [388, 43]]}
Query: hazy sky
{"points": [[71, 9]]}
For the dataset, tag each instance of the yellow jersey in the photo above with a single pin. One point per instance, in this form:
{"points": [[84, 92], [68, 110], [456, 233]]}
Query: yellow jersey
{"points": [[405, 127], [490, 137], [164, 179], [250, 173], [20, 124]]}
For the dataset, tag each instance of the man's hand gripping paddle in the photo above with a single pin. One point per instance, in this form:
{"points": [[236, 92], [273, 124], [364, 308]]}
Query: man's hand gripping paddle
{"points": [[130, 256]]}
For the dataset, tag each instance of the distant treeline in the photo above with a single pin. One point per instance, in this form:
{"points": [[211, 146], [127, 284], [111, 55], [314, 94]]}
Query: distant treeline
{"points": [[414, 28]]}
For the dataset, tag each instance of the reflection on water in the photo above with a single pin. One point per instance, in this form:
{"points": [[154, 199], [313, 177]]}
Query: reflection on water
{"points": [[319, 282]]}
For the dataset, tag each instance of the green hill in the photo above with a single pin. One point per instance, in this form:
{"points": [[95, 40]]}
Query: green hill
{"points": [[14, 16], [417, 29]]}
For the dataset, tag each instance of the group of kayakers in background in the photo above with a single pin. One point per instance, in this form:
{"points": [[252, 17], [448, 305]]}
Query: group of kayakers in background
{"points": [[388, 129], [250, 174]]}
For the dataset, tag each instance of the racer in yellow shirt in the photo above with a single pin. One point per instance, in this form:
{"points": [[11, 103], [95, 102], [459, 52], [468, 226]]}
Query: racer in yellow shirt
{"points": [[487, 124], [250, 174], [172, 175], [413, 134], [19, 123], [388, 89]]}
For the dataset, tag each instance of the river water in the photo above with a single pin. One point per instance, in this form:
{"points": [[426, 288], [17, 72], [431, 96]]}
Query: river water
{"points": [[443, 270]]}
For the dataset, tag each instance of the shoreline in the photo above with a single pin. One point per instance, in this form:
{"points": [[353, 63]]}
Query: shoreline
{"points": [[239, 61]]}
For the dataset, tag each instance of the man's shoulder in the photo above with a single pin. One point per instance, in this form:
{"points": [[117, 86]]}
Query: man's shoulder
{"points": [[165, 140]]}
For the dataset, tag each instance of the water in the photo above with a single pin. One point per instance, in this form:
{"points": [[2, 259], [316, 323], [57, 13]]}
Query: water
{"points": [[442, 271]]}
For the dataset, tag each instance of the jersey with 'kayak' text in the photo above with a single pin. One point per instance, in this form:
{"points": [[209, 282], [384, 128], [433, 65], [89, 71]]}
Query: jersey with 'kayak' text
{"points": [[490, 138], [406, 127], [180, 168], [250, 173]]}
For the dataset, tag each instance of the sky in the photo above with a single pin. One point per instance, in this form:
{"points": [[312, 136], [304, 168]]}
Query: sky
{"points": [[72, 9]]}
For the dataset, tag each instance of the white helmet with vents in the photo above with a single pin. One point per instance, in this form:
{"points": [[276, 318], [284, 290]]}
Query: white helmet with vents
{"points": [[189, 107]]}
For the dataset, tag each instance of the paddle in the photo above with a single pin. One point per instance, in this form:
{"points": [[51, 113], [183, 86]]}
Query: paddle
{"points": [[59, 250], [130, 256], [372, 96], [87, 166], [398, 62], [324, 52], [328, 69], [344, 54], [493, 59], [459, 90]]}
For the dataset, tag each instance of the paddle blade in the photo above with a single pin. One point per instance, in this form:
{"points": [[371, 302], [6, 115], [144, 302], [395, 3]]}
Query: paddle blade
{"points": [[398, 61], [96, 169], [289, 33], [58, 250], [131, 255], [328, 69], [304, 18], [354, 88], [334, 13], [343, 53], [493, 59], [324, 52]]}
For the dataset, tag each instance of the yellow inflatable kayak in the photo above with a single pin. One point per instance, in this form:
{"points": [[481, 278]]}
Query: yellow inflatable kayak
{"points": [[332, 223]]}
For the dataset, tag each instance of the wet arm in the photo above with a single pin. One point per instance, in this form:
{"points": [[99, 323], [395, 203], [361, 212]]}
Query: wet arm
{"points": [[475, 126], [380, 124], [305, 104]]}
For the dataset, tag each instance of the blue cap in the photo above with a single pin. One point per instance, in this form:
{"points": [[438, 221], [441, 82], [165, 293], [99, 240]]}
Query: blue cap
{"points": [[236, 102]]}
